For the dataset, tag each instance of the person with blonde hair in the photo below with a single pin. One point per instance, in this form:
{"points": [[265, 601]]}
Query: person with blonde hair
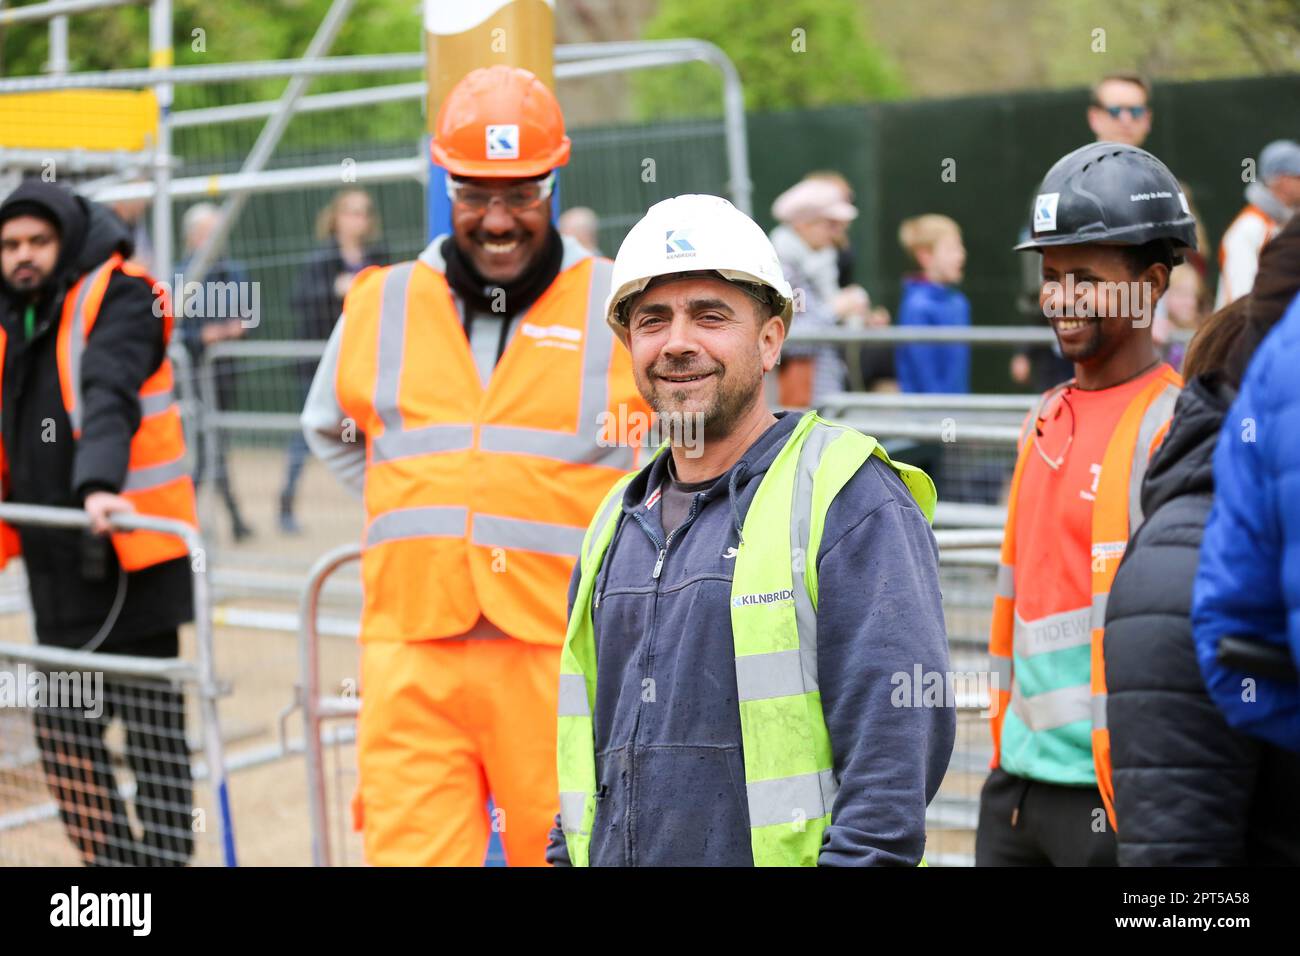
{"points": [[930, 298], [348, 231]]}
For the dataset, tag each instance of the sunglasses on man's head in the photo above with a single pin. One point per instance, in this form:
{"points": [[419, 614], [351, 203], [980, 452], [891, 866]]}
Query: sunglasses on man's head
{"points": [[1137, 112]]}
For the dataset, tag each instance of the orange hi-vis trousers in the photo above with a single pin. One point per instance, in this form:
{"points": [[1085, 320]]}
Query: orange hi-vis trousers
{"points": [[444, 724]]}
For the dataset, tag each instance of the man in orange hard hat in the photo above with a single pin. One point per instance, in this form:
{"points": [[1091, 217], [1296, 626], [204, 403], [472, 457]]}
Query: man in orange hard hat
{"points": [[472, 397]]}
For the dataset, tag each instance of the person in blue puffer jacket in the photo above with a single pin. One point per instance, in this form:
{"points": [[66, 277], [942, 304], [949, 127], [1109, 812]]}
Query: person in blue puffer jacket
{"points": [[1247, 595], [929, 298]]}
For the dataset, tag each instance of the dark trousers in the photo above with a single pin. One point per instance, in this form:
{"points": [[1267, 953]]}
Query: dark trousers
{"points": [[1026, 822], [79, 772]]}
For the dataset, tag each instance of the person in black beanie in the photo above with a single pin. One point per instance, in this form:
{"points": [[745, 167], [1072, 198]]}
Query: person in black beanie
{"points": [[84, 335]]}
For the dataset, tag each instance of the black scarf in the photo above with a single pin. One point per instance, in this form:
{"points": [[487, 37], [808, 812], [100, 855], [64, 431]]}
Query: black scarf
{"points": [[480, 295]]}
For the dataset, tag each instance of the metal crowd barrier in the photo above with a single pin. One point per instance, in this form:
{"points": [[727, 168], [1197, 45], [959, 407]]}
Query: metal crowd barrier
{"points": [[316, 709], [953, 812], [147, 670]]}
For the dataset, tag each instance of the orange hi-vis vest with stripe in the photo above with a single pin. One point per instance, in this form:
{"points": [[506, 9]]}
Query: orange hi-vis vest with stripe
{"points": [[157, 480], [1116, 513], [477, 499]]}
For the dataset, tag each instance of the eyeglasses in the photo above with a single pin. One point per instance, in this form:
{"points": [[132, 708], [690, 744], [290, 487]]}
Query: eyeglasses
{"points": [[1054, 412], [517, 197], [1137, 112]]}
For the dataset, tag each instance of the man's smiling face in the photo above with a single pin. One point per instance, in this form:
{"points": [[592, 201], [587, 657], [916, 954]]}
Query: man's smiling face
{"points": [[700, 346]]}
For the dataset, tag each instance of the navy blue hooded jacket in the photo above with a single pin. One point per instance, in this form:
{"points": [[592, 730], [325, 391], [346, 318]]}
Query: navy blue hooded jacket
{"points": [[669, 762]]}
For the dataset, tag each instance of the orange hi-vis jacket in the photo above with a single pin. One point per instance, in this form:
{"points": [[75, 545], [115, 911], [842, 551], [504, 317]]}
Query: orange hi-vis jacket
{"points": [[157, 481], [1116, 513], [477, 499]]}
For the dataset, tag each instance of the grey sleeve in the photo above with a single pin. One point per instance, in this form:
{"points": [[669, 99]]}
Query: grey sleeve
{"points": [[325, 426], [880, 626]]}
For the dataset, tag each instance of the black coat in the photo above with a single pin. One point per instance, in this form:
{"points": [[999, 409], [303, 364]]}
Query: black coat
{"points": [[74, 576], [1189, 790]]}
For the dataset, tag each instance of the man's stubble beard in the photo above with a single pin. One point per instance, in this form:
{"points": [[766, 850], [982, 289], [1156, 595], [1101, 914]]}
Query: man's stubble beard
{"points": [[727, 407]]}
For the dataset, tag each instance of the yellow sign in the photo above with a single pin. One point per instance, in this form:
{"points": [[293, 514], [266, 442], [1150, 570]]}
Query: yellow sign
{"points": [[79, 119]]}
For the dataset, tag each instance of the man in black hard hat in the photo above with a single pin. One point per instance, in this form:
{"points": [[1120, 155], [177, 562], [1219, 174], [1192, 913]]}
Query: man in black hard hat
{"points": [[1110, 222]]}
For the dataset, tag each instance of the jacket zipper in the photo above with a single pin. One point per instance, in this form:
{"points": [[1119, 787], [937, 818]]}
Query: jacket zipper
{"points": [[662, 548]]}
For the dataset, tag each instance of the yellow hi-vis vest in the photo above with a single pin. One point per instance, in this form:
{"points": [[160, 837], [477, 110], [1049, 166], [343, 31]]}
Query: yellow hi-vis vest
{"points": [[789, 778]]}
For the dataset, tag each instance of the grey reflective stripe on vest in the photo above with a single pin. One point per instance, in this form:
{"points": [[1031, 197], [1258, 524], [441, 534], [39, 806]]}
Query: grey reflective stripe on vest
{"points": [[1054, 632], [610, 512], [493, 531], [77, 341], [582, 447], [432, 522], [157, 403], [1006, 584], [392, 344], [771, 801], [573, 696], [397, 442], [1157, 413], [1053, 708], [1097, 613], [154, 476], [572, 804], [783, 673], [1098, 711]]}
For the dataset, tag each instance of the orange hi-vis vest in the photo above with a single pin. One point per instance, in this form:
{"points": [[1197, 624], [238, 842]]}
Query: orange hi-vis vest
{"points": [[1116, 513], [157, 480], [477, 499]]}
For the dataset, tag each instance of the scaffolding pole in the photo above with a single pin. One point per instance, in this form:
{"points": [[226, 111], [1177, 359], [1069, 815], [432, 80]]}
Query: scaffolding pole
{"points": [[268, 139]]}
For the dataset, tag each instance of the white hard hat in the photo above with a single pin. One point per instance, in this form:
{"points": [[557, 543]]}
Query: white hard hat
{"points": [[695, 233]]}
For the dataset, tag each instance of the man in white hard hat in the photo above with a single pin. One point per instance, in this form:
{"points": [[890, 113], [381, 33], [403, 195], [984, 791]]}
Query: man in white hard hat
{"points": [[755, 662]]}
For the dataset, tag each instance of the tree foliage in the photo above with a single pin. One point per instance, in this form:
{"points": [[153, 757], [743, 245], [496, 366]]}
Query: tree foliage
{"points": [[789, 54]]}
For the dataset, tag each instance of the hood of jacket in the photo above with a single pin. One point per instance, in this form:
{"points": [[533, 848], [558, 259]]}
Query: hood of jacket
{"points": [[1184, 464], [88, 232], [741, 477]]}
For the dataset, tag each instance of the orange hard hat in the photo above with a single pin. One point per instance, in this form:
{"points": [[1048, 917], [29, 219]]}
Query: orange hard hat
{"points": [[500, 121]]}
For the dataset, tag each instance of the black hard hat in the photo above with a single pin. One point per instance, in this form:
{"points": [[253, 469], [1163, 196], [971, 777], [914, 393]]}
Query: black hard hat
{"points": [[1110, 193]]}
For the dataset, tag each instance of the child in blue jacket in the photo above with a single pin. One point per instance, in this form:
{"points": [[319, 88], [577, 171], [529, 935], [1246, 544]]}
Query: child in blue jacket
{"points": [[934, 243]]}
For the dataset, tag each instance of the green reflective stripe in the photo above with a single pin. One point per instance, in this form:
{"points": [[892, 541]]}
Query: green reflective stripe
{"points": [[1097, 613], [572, 807], [431, 522], [1098, 711], [1053, 632], [1157, 413], [1052, 708], [156, 404], [77, 343], [1006, 585], [1000, 667], [790, 800], [573, 696], [154, 476], [428, 440], [493, 531]]}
